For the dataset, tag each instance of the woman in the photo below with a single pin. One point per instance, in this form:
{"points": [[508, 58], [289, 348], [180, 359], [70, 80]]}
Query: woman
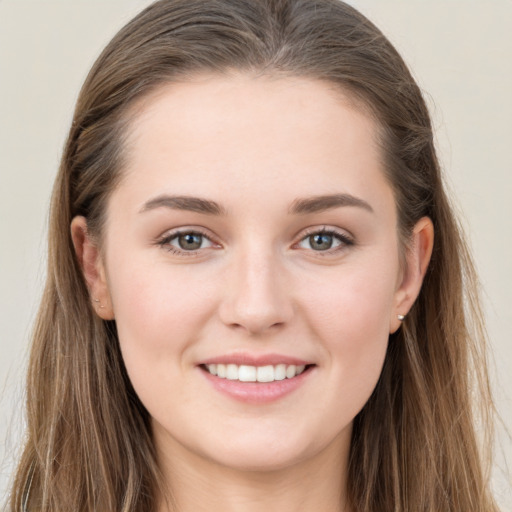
{"points": [[256, 289]]}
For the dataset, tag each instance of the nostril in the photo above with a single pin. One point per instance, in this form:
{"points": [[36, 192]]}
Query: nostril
{"points": [[256, 325], [255, 301]]}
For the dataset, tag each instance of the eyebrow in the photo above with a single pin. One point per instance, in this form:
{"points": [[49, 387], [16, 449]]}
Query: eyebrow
{"points": [[188, 203], [301, 206], [321, 203]]}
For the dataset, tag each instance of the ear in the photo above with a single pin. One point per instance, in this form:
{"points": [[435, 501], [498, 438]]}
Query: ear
{"points": [[93, 268], [417, 259]]}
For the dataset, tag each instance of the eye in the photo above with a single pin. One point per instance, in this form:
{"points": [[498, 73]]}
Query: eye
{"points": [[325, 240], [190, 241], [185, 241]]}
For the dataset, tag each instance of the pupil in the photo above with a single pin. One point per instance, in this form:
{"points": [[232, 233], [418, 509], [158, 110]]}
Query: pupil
{"points": [[190, 241], [321, 242]]}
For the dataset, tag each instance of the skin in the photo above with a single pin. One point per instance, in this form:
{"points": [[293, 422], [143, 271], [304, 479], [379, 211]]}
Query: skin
{"points": [[256, 284]]}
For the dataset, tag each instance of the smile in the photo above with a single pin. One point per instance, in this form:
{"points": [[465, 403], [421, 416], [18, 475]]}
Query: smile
{"points": [[257, 383], [246, 373]]}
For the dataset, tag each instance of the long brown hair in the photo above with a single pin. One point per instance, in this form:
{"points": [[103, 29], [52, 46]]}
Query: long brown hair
{"points": [[414, 447]]}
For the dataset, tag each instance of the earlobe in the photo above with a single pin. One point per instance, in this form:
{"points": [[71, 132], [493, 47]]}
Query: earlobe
{"points": [[93, 269], [418, 257]]}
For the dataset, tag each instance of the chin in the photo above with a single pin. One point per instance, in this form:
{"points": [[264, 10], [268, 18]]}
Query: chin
{"points": [[258, 459], [265, 451]]}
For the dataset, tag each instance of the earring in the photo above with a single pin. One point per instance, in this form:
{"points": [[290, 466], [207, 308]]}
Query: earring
{"points": [[97, 301], [401, 317]]}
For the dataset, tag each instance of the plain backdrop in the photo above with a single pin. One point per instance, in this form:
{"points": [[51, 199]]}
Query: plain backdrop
{"points": [[460, 51]]}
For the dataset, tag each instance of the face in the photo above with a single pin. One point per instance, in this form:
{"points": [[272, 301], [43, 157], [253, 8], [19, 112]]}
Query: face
{"points": [[251, 262]]}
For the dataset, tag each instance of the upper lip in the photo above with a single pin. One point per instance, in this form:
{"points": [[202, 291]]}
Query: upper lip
{"points": [[255, 360]]}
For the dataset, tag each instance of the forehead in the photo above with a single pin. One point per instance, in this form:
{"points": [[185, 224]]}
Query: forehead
{"points": [[257, 134], [249, 100]]}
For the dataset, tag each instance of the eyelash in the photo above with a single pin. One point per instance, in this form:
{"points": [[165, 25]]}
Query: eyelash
{"points": [[345, 241], [165, 241]]}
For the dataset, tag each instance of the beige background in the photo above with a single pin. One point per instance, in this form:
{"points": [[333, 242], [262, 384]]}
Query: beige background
{"points": [[459, 50]]}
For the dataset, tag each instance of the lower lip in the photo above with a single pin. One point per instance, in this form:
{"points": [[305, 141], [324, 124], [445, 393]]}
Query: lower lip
{"points": [[257, 392]]}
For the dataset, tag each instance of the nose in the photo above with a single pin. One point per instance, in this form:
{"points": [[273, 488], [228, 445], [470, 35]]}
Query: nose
{"points": [[256, 297]]}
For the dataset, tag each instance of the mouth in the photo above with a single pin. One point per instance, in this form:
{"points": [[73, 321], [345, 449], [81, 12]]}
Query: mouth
{"points": [[261, 374], [257, 378]]}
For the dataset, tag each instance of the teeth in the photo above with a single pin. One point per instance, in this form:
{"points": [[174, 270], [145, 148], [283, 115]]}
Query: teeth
{"points": [[265, 374], [232, 372], [280, 372], [221, 370], [290, 371], [245, 373]]}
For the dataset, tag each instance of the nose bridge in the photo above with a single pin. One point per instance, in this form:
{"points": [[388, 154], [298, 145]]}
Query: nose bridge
{"points": [[256, 297]]}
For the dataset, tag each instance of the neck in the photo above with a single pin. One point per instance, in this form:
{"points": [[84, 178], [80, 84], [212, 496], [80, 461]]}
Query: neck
{"points": [[199, 485]]}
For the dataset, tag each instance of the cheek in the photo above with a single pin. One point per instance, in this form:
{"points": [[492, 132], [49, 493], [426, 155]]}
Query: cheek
{"points": [[350, 316], [157, 316], [353, 304], [151, 300]]}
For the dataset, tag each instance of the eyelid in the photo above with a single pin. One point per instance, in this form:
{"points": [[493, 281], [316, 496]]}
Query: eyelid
{"points": [[346, 239], [343, 236], [164, 240]]}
